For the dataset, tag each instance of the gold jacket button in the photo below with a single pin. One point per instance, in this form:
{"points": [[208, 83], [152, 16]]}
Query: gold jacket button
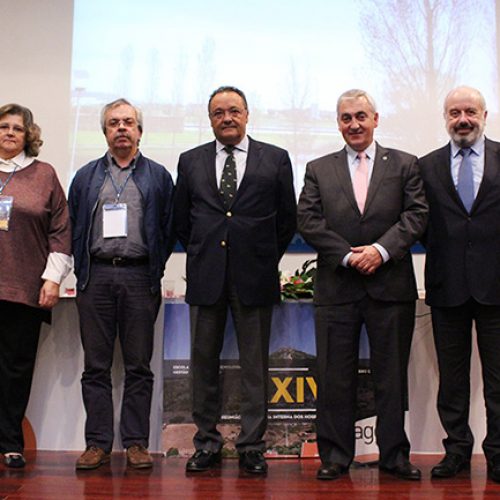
{"points": [[223, 243]]}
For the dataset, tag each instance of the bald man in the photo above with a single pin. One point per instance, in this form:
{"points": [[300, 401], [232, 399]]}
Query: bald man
{"points": [[462, 275]]}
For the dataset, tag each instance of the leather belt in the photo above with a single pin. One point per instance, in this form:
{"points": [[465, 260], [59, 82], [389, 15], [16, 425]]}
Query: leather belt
{"points": [[121, 261]]}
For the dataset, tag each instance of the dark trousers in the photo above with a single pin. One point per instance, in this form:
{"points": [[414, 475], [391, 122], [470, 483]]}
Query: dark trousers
{"points": [[453, 338], [253, 327], [390, 329], [117, 301], [19, 334]]}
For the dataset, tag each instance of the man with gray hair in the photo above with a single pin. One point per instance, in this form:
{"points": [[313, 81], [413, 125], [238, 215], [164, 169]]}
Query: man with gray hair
{"points": [[121, 213], [462, 275], [361, 209]]}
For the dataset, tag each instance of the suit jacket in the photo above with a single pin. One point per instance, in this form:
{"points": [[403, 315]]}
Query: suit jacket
{"points": [[250, 237], [395, 216], [463, 250]]}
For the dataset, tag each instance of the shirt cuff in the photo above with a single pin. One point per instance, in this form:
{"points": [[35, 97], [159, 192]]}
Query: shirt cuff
{"points": [[58, 267], [383, 252], [345, 260]]}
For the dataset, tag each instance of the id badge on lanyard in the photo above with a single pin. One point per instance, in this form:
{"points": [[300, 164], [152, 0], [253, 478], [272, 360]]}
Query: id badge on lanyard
{"points": [[114, 220], [6, 203], [114, 215]]}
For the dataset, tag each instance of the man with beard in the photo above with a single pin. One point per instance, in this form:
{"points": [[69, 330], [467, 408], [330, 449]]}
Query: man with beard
{"points": [[120, 207], [462, 275]]}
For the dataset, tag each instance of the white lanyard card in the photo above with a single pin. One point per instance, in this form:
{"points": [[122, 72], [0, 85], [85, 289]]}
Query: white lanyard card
{"points": [[114, 220]]}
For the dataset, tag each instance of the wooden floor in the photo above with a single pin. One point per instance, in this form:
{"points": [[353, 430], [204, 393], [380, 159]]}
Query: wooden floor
{"points": [[51, 475]]}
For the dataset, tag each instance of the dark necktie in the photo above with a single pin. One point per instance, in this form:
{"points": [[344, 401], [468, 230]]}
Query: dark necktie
{"points": [[228, 179], [465, 186]]}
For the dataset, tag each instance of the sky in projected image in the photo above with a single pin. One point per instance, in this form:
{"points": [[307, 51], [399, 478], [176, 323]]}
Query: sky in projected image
{"points": [[290, 57], [173, 48]]}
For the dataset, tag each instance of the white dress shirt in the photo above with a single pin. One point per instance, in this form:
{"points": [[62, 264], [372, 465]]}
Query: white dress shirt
{"points": [[240, 154]]}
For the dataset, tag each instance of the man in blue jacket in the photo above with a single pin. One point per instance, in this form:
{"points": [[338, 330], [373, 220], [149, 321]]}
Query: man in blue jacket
{"points": [[120, 207]]}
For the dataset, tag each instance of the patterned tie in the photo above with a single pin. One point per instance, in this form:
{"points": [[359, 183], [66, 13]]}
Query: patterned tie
{"points": [[228, 179], [360, 181], [465, 186]]}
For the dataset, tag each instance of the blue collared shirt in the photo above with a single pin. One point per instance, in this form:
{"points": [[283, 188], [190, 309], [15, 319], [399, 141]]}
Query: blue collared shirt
{"points": [[477, 159]]}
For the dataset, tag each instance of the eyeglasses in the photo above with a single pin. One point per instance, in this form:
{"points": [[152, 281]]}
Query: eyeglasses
{"points": [[219, 114], [116, 123], [5, 128]]}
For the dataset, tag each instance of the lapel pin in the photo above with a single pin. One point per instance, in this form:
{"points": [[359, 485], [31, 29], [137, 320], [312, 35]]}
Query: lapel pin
{"points": [[384, 158]]}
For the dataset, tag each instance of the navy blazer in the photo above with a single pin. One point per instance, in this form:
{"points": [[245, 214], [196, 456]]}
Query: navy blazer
{"points": [[249, 239], [463, 250], [395, 216]]}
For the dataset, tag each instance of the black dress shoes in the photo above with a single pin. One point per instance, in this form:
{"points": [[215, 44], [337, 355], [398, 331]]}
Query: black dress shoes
{"points": [[203, 460], [253, 461], [450, 466], [494, 469], [404, 471], [14, 460], [329, 471]]}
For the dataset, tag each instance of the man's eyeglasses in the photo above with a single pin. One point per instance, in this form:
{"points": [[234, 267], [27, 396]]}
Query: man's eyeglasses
{"points": [[115, 123], [219, 114]]}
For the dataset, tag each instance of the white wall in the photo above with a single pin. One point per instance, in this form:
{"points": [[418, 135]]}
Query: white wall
{"points": [[35, 57]]}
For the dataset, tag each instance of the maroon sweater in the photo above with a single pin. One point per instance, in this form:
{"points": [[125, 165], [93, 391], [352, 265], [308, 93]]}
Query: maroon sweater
{"points": [[39, 224]]}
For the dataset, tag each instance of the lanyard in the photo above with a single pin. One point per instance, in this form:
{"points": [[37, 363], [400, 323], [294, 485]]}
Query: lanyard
{"points": [[3, 184], [118, 189]]}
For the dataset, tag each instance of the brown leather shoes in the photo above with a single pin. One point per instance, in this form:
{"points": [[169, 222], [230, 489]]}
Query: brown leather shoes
{"points": [[138, 457], [92, 458]]}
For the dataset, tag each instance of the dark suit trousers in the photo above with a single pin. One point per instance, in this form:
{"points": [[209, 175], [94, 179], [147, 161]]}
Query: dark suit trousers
{"points": [[253, 327], [19, 334], [117, 301], [390, 329], [453, 338]]}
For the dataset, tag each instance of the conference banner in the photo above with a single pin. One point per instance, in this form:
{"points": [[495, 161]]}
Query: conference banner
{"points": [[292, 385]]}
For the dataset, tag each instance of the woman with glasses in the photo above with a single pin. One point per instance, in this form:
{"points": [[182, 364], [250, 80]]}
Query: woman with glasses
{"points": [[35, 256]]}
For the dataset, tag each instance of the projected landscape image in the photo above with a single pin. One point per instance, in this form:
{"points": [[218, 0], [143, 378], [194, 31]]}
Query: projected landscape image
{"points": [[292, 59]]}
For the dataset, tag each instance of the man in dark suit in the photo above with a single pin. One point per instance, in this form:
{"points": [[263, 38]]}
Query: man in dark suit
{"points": [[235, 215], [362, 208], [462, 274]]}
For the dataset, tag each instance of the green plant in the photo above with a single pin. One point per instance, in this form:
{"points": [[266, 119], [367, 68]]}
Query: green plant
{"points": [[300, 284]]}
